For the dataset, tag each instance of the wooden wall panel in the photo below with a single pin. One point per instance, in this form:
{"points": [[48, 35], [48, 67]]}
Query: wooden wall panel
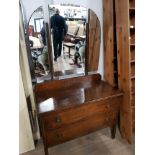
{"points": [[123, 54], [108, 28], [93, 42]]}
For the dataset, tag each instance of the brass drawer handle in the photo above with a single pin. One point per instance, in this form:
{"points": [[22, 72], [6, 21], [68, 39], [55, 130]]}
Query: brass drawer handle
{"points": [[59, 135], [58, 119]]}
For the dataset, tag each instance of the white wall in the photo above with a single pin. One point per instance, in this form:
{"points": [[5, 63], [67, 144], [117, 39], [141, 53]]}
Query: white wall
{"points": [[25, 90], [95, 5], [31, 5], [25, 134]]}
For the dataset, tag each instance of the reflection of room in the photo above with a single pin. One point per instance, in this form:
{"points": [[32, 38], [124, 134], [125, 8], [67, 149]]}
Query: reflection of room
{"points": [[72, 57], [36, 44], [36, 22]]}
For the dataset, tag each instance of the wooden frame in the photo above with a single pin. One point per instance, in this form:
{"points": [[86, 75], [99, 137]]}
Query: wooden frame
{"points": [[126, 70], [124, 25], [108, 34]]}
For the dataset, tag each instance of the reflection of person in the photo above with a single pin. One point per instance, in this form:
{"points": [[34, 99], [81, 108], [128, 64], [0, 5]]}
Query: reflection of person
{"points": [[58, 25]]}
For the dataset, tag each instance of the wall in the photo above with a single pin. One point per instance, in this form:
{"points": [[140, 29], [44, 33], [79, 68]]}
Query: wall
{"points": [[25, 134], [25, 90], [25, 65], [96, 6], [30, 6]]}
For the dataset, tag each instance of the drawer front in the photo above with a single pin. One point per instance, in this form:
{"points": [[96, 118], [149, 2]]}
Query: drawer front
{"points": [[60, 135], [79, 113]]}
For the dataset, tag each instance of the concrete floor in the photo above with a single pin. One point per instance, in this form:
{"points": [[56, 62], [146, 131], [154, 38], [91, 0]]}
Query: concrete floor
{"points": [[97, 143]]}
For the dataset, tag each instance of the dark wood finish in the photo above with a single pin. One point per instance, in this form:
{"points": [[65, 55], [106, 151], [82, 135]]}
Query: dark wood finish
{"points": [[132, 58], [132, 18], [77, 82], [49, 46], [56, 120], [94, 41], [132, 52], [74, 107], [131, 4]]}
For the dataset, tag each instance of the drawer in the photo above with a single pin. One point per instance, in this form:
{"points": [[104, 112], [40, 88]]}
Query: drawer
{"points": [[94, 123], [80, 112]]}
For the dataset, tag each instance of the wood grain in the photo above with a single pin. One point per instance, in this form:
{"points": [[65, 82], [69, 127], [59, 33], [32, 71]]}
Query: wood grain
{"points": [[78, 129], [94, 42], [108, 27], [126, 63]]}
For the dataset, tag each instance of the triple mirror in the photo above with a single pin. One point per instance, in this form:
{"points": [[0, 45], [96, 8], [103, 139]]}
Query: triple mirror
{"points": [[74, 49]]}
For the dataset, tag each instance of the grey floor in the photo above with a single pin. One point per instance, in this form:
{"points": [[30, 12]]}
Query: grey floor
{"points": [[97, 143]]}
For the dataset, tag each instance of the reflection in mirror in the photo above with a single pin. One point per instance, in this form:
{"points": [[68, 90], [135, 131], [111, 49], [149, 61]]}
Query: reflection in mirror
{"points": [[37, 43], [68, 33], [81, 29]]}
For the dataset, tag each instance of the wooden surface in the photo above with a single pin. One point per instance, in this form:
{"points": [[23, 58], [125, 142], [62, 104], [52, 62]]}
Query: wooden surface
{"points": [[75, 107], [94, 41], [126, 66], [75, 96], [78, 129], [78, 113], [73, 82], [108, 27]]}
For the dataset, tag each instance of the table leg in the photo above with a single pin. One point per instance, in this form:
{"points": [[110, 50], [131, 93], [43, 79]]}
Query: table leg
{"points": [[46, 150], [113, 131]]}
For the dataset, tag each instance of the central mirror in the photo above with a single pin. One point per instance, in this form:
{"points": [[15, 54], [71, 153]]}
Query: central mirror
{"points": [[74, 35], [68, 33]]}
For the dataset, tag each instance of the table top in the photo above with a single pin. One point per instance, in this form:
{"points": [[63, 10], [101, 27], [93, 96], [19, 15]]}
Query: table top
{"points": [[58, 100]]}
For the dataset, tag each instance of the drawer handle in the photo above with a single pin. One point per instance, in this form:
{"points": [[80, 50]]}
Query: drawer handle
{"points": [[58, 119], [59, 135]]}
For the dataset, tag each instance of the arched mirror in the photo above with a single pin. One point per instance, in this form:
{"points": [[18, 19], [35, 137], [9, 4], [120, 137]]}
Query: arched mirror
{"points": [[74, 51]]}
